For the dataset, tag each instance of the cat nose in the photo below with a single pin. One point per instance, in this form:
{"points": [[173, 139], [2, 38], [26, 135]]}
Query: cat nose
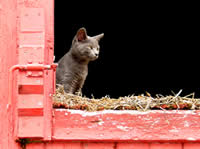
{"points": [[96, 54]]}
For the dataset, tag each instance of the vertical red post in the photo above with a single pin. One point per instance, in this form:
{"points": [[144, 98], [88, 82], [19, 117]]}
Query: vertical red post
{"points": [[35, 34], [26, 40], [8, 58]]}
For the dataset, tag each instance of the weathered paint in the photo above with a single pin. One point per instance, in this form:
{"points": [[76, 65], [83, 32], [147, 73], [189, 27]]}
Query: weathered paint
{"points": [[35, 36], [117, 145], [26, 39], [163, 126], [123, 130], [8, 57]]}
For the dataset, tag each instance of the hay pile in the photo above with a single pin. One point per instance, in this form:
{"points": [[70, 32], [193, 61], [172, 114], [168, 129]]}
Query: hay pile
{"points": [[142, 102]]}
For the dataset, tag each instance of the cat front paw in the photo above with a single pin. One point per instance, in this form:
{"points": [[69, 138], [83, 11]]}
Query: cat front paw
{"points": [[79, 93]]}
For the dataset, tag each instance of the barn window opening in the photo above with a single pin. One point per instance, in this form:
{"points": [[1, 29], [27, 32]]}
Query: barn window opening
{"points": [[137, 59]]}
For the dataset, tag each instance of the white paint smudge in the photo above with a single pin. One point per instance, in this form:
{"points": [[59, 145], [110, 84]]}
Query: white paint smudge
{"points": [[131, 112], [40, 103], [7, 106], [186, 124], [114, 123], [124, 128], [60, 110], [191, 139], [101, 135], [174, 130], [100, 122], [85, 113]]}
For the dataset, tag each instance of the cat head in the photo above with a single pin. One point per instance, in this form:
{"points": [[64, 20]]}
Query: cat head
{"points": [[84, 47]]}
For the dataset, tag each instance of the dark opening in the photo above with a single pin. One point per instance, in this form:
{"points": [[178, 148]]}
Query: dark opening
{"points": [[142, 50]]}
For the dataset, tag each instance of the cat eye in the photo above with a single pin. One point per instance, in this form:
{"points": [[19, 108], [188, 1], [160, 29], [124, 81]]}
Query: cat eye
{"points": [[90, 47]]}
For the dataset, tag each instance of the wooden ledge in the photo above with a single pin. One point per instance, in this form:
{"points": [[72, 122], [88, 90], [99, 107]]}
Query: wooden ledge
{"points": [[134, 126]]}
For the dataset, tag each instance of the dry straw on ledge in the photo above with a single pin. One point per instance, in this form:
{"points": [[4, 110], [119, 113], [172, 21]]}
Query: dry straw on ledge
{"points": [[141, 102]]}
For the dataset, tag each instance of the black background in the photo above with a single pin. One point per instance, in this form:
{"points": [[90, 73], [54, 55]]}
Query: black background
{"points": [[145, 47]]}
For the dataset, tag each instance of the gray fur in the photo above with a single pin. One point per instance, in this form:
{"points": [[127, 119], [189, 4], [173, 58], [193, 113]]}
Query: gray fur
{"points": [[72, 68]]}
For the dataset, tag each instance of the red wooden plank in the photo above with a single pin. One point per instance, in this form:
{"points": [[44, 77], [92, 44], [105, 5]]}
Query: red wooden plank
{"points": [[49, 77], [64, 145], [30, 127], [35, 146], [24, 76], [135, 126], [191, 145], [133, 146], [54, 145], [35, 45], [72, 146], [8, 58], [98, 145], [32, 19], [30, 112], [30, 101], [31, 89], [29, 54], [166, 146]]}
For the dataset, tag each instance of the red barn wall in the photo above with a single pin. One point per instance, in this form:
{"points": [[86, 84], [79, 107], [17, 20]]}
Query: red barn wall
{"points": [[114, 146], [8, 57]]}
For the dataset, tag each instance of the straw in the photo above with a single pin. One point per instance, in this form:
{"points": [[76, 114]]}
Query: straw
{"points": [[133, 102]]}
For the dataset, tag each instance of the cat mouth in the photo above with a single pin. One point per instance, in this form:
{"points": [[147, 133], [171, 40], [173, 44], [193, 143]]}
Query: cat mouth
{"points": [[94, 58]]}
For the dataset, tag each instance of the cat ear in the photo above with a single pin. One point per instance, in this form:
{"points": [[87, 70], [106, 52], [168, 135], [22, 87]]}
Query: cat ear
{"points": [[98, 37], [81, 34]]}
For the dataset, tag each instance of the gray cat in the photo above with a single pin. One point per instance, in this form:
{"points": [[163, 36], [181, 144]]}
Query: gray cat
{"points": [[72, 68]]}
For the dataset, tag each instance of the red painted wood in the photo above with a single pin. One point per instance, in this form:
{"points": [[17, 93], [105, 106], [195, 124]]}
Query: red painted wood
{"points": [[166, 146], [64, 145], [101, 145], [72, 145], [8, 58], [98, 145], [36, 146], [133, 146], [35, 83], [32, 102], [191, 146], [30, 112], [49, 76], [26, 37], [31, 89], [32, 125], [166, 126]]}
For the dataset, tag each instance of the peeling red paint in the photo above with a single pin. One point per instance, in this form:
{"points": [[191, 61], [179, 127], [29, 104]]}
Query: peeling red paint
{"points": [[170, 126]]}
